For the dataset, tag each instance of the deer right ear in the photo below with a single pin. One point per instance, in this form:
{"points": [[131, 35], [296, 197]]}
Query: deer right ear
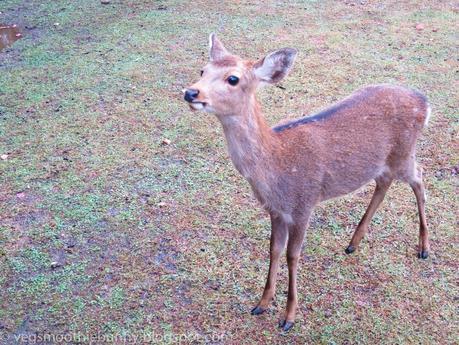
{"points": [[216, 49], [275, 66]]}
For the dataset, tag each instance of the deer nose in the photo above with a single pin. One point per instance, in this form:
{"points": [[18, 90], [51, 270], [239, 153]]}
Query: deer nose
{"points": [[191, 94]]}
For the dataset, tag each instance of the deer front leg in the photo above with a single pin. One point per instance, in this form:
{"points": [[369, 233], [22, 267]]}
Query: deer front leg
{"points": [[278, 240], [295, 241]]}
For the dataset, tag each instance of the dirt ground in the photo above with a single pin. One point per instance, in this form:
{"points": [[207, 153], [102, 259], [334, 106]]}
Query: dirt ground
{"points": [[122, 219]]}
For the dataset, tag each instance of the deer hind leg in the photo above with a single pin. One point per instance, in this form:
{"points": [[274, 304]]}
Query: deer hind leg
{"points": [[278, 239], [382, 185], [418, 188]]}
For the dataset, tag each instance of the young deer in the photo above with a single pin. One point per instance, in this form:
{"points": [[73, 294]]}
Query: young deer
{"points": [[370, 135]]}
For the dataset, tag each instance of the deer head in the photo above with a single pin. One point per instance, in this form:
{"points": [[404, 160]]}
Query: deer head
{"points": [[228, 83]]}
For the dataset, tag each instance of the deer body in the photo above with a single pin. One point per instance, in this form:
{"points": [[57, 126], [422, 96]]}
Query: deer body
{"points": [[370, 135], [364, 137]]}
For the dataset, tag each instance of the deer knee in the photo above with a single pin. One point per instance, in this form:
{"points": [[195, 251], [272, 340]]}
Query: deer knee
{"points": [[292, 259], [418, 188]]}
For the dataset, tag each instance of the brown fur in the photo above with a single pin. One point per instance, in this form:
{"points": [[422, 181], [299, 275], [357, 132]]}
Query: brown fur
{"points": [[370, 135]]}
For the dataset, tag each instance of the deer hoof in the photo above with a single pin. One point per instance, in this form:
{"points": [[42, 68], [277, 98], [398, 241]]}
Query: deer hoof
{"points": [[423, 254], [286, 325], [257, 310], [349, 249]]}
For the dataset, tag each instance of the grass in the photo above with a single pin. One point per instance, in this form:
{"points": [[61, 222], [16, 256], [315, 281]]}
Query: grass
{"points": [[107, 230]]}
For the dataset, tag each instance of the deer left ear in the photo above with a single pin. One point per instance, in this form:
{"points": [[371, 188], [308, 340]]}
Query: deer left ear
{"points": [[275, 66], [217, 50]]}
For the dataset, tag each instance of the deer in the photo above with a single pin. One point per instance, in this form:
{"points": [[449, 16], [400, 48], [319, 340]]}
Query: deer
{"points": [[291, 167]]}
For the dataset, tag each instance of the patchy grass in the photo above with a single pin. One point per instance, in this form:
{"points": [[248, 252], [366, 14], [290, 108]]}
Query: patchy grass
{"points": [[107, 230]]}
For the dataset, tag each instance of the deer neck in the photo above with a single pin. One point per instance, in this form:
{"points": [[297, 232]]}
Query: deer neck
{"points": [[250, 140]]}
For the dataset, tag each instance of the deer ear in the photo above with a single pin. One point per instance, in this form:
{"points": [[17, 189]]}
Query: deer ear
{"points": [[217, 50], [275, 66]]}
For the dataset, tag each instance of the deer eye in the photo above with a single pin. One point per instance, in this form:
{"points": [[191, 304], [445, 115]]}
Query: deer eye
{"points": [[233, 80], [202, 72]]}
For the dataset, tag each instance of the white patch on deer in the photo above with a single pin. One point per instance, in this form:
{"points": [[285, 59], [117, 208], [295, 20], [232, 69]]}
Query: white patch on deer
{"points": [[210, 41], [287, 218], [197, 106], [428, 113], [382, 170]]}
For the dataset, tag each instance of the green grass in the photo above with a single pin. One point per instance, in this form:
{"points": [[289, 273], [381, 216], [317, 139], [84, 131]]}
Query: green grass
{"points": [[167, 240]]}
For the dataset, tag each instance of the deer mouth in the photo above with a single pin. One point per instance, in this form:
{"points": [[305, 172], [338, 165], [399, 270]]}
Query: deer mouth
{"points": [[197, 105]]}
